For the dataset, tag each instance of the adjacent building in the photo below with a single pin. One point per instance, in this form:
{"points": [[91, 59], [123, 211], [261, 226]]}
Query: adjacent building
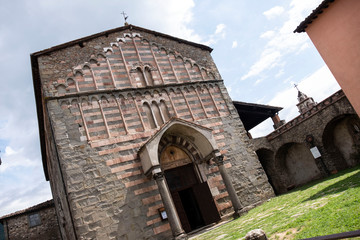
{"points": [[333, 27], [37, 222]]}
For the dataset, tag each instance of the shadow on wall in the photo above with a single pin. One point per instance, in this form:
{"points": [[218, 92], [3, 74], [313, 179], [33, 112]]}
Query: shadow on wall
{"points": [[341, 138]]}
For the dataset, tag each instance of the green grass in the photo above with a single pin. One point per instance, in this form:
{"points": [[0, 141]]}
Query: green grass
{"points": [[324, 207]]}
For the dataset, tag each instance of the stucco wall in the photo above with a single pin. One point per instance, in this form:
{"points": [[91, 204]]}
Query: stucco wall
{"points": [[336, 34]]}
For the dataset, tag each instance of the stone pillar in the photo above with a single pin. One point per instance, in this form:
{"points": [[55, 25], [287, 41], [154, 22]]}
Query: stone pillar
{"points": [[169, 206], [277, 122], [219, 160]]}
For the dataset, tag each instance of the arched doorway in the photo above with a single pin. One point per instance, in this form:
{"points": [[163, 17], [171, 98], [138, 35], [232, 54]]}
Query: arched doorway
{"points": [[195, 143], [191, 195]]}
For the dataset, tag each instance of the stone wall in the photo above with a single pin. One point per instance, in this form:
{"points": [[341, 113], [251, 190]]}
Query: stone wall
{"points": [[287, 149], [18, 226], [105, 97]]}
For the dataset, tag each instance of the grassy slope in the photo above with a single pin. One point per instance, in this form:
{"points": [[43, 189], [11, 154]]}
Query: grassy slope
{"points": [[321, 208]]}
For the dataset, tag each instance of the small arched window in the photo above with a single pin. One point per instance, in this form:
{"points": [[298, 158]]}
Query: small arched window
{"points": [[164, 110], [140, 76], [148, 76], [157, 114], [149, 115]]}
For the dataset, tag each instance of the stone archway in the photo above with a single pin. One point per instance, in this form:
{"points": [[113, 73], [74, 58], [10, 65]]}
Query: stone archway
{"points": [[267, 161], [341, 139], [194, 144], [296, 164], [190, 192]]}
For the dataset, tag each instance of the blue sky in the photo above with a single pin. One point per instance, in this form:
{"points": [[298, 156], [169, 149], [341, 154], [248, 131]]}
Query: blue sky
{"points": [[256, 52]]}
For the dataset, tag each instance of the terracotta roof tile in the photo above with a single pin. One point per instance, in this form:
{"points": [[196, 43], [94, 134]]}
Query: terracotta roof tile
{"points": [[309, 19]]}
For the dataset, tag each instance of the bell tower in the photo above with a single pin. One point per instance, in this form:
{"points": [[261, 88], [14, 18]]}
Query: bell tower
{"points": [[305, 103]]}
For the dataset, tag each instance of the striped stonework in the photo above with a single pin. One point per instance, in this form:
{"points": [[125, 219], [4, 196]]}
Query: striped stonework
{"points": [[101, 99]]}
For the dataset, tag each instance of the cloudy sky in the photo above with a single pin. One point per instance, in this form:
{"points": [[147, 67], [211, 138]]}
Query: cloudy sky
{"points": [[255, 49]]}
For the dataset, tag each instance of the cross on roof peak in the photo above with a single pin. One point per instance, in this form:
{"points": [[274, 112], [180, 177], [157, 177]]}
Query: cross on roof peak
{"points": [[296, 86], [125, 17]]}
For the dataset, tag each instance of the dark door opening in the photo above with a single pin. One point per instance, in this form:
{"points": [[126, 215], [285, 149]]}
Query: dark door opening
{"points": [[191, 208], [193, 201]]}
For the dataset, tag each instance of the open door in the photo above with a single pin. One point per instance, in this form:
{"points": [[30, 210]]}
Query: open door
{"points": [[206, 203], [193, 200]]}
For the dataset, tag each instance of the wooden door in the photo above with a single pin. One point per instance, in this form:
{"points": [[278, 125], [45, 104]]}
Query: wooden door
{"points": [[206, 203], [193, 200]]}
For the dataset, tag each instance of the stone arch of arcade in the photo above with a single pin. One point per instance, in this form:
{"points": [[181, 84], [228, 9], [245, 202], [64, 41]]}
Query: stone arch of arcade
{"points": [[334, 129], [341, 140], [267, 160], [176, 157], [296, 165]]}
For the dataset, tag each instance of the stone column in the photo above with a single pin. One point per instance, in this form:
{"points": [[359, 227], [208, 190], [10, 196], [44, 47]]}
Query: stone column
{"points": [[219, 160], [169, 206]]}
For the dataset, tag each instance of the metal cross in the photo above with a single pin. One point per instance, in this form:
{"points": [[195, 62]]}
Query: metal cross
{"points": [[124, 14], [296, 86]]}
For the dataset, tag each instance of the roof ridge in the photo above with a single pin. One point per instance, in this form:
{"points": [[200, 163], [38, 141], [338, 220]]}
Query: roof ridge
{"points": [[39, 206]]}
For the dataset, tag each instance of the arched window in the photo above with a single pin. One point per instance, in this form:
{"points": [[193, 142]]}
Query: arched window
{"points": [[157, 114], [164, 110], [149, 115], [140, 77], [148, 76]]}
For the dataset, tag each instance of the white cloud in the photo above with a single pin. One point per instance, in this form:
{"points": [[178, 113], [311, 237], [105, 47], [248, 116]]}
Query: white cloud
{"points": [[274, 12], [219, 34], [280, 73], [9, 151], [268, 60], [234, 44], [268, 34], [319, 85], [220, 28], [282, 41], [303, 47], [260, 80]]}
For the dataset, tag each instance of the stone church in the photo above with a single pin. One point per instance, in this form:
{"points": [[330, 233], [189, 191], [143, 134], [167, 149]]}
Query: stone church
{"points": [[139, 137]]}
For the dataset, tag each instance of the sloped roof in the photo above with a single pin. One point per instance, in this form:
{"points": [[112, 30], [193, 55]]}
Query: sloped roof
{"points": [[309, 19], [252, 114], [35, 208], [107, 32]]}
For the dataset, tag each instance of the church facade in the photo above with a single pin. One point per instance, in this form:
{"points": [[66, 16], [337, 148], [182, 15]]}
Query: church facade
{"points": [[139, 137]]}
